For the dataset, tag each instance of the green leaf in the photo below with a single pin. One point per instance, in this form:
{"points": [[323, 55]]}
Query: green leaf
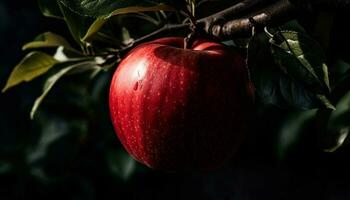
{"points": [[343, 108], [325, 101], [85, 18], [336, 138], [97, 9], [291, 131], [52, 131], [50, 8], [338, 126], [120, 164], [77, 24], [272, 85], [32, 66], [126, 38], [51, 81], [5, 167], [303, 59], [47, 39], [100, 21], [340, 72]]}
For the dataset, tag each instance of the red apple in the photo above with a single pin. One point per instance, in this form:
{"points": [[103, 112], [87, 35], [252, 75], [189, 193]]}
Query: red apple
{"points": [[177, 109]]}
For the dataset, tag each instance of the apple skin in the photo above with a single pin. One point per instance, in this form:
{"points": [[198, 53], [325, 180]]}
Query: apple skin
{"points": [[180, 109]]}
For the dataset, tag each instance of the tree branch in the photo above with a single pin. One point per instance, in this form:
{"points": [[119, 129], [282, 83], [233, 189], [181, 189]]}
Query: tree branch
{"points": [[245, 15], [279, 12], [166, 28], [204, 23], [235, 10]]}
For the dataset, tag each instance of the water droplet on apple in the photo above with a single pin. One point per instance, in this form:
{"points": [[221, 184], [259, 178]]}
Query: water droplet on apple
{"points": [[136, 86]]}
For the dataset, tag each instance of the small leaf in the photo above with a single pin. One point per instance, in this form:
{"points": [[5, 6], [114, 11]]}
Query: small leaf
{"points": [[32, 66], [339, 138], [99, 22], [126, 38], [47, 39], [51, 81], [94, 28], [50, 8], [325, 102]]}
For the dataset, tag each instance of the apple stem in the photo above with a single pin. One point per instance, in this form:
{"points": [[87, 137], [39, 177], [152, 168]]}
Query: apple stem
{"points": [[192, 26], [189, 40]]}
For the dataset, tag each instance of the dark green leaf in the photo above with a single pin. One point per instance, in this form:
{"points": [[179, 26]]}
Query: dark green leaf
{"points": [[5, 167], [338, 126], [99, 22], [77, 24], [272, 85], [86, 18], [52, 131], [335, 138], [291, 131], [56, 145], [292, 74], [48, 39], [32, 66], [50, 8], [96, 9], [341, 72], [325, 101], [51, 81], [302, 58], [343, 108], [264, 75], [120, 164]]}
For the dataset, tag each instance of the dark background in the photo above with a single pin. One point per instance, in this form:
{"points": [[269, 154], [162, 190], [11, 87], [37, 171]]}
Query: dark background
{"points": [[70, 150]]}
